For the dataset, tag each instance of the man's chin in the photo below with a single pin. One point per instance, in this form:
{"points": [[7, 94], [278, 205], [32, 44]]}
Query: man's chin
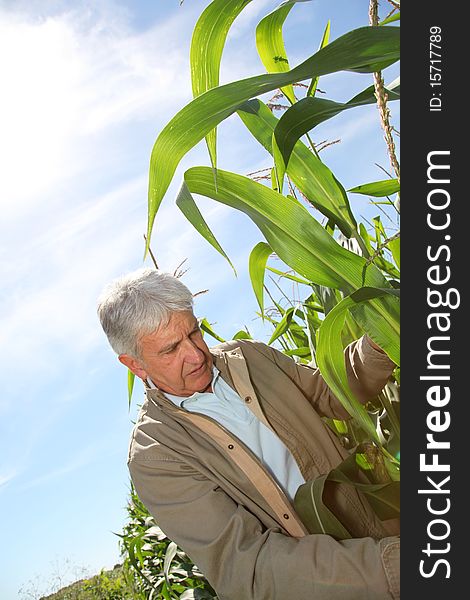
{"points": [[203, 380], [207, 388]]}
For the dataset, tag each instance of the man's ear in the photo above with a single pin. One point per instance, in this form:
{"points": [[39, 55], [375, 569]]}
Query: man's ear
{"points": [[134, 365]]}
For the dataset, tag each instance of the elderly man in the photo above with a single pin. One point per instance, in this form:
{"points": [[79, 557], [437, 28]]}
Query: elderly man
{"points": [[224, 439]]}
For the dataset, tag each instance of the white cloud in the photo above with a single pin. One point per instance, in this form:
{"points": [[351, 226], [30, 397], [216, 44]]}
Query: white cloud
{"points": [[7, 477], [67, 78], [82, 458]]}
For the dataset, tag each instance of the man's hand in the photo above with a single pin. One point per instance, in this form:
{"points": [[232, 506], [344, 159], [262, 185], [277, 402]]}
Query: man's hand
{"points": [[374, 345]]}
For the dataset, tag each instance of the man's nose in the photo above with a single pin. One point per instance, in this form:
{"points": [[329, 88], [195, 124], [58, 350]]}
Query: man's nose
{"points": [[192, 352]]}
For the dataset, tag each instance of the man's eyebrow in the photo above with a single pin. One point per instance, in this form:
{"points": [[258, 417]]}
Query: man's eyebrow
{"points": [[169, 346], [172, 345]]}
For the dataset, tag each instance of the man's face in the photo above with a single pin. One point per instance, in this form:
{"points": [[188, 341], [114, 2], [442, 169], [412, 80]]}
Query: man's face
{"points": [[175, 357]]}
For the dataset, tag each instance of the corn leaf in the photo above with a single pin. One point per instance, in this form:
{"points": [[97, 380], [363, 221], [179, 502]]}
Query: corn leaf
{"points": [[366, 238], [367, 96], [378, 189], [242, 335], [282, 326], [289, 276], [330, 358], [315, 515], [270, 43], [384, 497], [394, 246], [291, 231], [169, 556], [297, 333], [130, 386], [197, 594], [206, 327], [309, 112], [303, 244], [257, 267], [329, 298], [311, 323], [311, 176], [383, 264], [391, 19], [190, 210], [324, 41], [207, 45], [301, 352], [363, 47]]}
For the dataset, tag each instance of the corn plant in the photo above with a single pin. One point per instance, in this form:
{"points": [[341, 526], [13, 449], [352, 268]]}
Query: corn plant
{"points": [[351, 276]]}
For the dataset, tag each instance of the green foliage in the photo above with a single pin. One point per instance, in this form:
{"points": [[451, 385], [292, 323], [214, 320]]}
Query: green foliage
{"points": [[114, 584], [308, 173], [309, 112], [366, 470], [208, 42], [364, 50], [109, 585]]}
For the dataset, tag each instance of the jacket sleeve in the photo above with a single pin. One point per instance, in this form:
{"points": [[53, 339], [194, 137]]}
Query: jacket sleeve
{"points": [[243, 560], [368, 370]]}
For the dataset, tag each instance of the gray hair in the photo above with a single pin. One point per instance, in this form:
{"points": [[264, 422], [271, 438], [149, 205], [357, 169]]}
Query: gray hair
{"points": [[137, 303]]}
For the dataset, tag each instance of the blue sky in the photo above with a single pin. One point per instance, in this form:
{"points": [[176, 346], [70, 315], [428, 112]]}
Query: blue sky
{"points": [[86, 87]]}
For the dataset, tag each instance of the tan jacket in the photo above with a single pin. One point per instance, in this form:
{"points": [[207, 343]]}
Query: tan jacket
{"points": [[212, 496]]}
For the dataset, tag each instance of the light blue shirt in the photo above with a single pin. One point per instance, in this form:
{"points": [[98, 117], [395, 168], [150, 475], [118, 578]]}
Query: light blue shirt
{"points": [[225, 406]]}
